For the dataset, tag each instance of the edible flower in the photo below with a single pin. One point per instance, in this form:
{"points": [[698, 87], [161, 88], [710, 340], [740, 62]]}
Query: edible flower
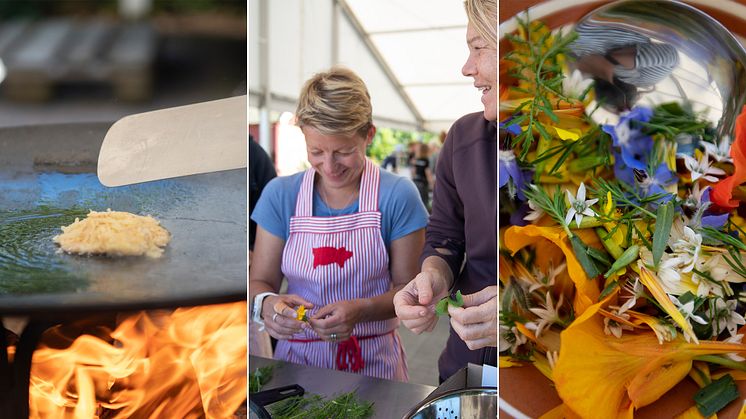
{"points": [[634, 369], [301, 314], [510, 174], [579, 206], [722, 192]]}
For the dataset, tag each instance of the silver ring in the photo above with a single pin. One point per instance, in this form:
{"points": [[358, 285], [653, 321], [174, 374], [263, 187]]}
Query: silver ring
{"points": [[333, 336], [274, 317]]}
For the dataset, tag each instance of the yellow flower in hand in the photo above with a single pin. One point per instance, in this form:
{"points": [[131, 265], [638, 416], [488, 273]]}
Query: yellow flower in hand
{"points": [[301, 314]]}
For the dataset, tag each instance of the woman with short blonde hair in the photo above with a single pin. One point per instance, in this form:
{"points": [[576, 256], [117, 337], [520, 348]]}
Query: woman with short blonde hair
{"points": [[335, 101], [344, 233]]}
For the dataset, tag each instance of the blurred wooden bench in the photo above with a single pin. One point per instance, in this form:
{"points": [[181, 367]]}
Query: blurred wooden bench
{"points": [[41, 55]]}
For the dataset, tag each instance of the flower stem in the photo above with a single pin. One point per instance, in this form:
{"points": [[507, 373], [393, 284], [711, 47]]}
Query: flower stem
{"points": [[714, 359]]}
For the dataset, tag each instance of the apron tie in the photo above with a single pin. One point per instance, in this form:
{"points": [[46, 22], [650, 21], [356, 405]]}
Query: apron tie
{"points": [[349, 354], [349, 350]]}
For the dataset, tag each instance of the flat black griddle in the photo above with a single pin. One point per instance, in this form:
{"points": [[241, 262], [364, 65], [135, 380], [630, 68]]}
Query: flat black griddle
{"points": [[47, 176]]}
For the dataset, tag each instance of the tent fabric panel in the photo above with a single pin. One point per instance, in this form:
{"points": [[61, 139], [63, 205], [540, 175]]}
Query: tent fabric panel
{"points": [[397, 15], [354, 54], [425, 57]]}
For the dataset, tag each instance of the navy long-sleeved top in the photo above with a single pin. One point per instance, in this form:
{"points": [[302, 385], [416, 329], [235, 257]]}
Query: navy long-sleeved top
{"points": [[464, 222]]}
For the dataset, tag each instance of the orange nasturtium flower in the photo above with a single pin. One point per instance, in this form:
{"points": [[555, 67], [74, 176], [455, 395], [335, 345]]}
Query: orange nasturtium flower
{"points": [[603, 376], [547, 240], [722, 193]]}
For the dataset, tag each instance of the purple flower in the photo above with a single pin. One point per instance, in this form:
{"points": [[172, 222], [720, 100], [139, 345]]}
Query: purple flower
{"points": [[715, 221], [653, 185], [514, 129], [509, 172], [635, 146], [638, 113], [516, 217], [710, 220]]}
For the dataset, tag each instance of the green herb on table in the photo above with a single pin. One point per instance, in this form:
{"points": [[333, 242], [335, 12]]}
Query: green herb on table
{"points": [[442, 307], [313, 406], [259, 378]]}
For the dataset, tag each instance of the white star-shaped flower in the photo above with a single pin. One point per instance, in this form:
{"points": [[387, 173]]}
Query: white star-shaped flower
{"points": [[547, 315], [574, 85], [686, 244], [701, 168], [726, 317], [720, 151], [536, 211], [579, 206], [687, 310]]}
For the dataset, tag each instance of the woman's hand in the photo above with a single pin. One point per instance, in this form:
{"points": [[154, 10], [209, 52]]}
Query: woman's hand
{"points": [[476, 321], [415, 303], [339, 318], [279, 316]]}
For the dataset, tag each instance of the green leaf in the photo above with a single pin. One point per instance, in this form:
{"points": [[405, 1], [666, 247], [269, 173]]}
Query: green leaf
{"points": [[608, 290], [459, 301], [547, 108], [442, 307], [599, 255], [663, 222], [581, 252], [630, 255], [584, 164], [716, 395], [540, 127]]}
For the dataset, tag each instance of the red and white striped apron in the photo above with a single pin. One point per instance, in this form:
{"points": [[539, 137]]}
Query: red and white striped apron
{"points": [[337, 258]]}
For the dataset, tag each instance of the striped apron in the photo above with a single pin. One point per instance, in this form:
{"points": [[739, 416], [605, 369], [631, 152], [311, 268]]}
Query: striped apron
{"points": [[337, 258]]}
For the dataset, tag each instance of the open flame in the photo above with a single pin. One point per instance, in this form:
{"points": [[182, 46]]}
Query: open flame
{"points": [[185, 363]]}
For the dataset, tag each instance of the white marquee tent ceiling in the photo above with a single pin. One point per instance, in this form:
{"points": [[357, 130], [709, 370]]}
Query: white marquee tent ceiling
{"points": [[409, 52]]}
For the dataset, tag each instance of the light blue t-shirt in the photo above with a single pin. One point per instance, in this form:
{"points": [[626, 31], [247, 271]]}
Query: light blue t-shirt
{"points": [[402, 211]]}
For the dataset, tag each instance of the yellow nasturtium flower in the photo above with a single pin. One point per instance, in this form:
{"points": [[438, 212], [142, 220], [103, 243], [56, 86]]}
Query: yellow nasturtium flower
{"points": [[600, 376], [301, 314]]}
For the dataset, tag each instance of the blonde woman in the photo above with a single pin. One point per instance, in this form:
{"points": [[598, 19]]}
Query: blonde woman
{"points": [[344, 233], [464, 217]]}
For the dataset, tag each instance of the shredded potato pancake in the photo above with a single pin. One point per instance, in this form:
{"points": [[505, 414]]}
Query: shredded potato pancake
{"points": [[114, 233]]}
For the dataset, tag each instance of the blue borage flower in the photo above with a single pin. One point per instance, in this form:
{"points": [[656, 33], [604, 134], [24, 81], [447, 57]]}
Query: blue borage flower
{"points": [[513, 129], [510, 174], [628, 136]]}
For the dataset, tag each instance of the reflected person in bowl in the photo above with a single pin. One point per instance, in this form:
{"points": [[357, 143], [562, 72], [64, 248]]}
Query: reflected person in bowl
{"points": [[464, 217], [344, 233]]}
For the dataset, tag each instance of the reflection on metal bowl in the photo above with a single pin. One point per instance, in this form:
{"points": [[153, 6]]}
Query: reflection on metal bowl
{"points": [[709, 75], [480, 402], [706, 70]]}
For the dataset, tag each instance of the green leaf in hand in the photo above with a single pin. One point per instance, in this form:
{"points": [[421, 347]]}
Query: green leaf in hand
{"points": [[442, 307]]}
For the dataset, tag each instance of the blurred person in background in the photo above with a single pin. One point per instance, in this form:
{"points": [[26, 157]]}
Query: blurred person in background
{"points": [[261, 171], [464, 218], [392, 160], [421, 173], [435, 147], [344, 233]]}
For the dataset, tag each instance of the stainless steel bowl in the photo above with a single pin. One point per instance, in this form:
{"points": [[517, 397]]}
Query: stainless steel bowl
{"points": [[480, 402], [710, 74]]}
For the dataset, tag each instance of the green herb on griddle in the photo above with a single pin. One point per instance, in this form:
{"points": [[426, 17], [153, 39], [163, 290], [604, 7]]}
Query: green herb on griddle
{"points": [[313, 406], [259, 378], [442, 307], [29, 262]]}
